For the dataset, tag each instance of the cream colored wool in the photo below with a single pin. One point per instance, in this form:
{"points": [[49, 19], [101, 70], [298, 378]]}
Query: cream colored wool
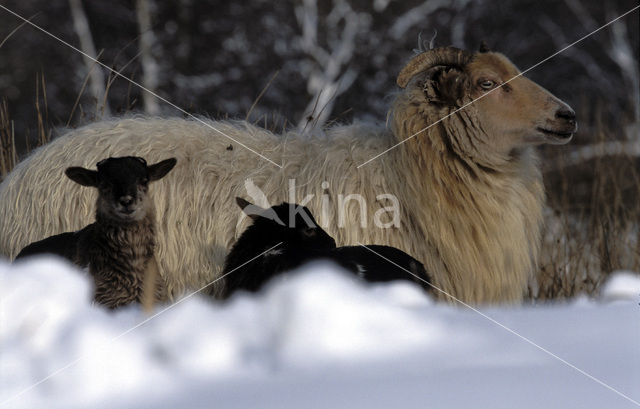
{"points": [[476, 229]]}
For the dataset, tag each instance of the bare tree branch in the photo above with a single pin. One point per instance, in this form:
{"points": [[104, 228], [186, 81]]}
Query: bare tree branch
{"points": [[97, 82], [621, 51], [586, 153], [328, 77], [587, 60], [149, 64], [418, 15]]}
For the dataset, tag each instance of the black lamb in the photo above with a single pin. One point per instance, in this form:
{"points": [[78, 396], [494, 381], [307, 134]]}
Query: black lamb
{"points": [[302, 240], [118, 248]]}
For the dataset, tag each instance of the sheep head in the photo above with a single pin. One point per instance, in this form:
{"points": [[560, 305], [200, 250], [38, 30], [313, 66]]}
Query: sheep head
{"points": [[290, 223], [498, 107], [122, 184]]}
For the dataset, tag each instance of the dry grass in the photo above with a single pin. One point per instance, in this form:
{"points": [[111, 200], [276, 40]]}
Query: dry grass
{"points": [[10, 152], [592, 223]]}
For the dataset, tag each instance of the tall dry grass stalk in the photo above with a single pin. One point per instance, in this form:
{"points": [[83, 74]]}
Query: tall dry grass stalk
{"points": [[8, 153], [9, 149], [42, 114]]}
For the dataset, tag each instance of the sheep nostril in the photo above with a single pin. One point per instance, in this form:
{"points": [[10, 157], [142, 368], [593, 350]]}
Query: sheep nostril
{"points": [[566, 114], [126, 200]]}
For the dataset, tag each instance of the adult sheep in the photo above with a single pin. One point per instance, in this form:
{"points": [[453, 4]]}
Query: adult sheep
{"points": [[469, 189]]}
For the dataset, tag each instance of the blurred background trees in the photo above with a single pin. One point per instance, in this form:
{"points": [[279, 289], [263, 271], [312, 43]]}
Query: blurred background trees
{"points": [[328, 59]]}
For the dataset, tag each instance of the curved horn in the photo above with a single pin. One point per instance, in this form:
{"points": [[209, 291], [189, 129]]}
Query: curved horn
{"points": [[438, 56]]}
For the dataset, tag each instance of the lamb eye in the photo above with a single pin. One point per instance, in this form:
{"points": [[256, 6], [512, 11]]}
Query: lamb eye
{"points": [[486, 84], [310, 232]]}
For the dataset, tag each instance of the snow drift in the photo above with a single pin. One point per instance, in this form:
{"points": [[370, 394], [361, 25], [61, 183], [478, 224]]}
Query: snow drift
{"points": [[318, 339]]}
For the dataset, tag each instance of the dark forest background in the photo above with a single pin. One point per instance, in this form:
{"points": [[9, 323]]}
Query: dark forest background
{"points": [[215, 57], [310, 63]]}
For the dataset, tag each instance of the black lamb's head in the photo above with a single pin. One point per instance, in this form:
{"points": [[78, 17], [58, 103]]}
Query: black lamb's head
{"points": [[289, 223], [122, 185]]}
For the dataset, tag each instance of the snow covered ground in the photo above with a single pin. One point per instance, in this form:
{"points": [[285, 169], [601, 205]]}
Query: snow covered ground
{"points": [[317, 340]]}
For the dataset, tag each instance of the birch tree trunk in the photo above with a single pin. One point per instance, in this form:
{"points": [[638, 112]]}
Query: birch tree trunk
{"points": [[149, 64], [94, 71]]}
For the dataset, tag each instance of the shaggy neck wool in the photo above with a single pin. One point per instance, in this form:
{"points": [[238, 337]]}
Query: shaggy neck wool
{"points": [[118, 256], [482, 212]]}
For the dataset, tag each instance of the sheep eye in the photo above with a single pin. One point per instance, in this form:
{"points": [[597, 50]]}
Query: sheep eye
{"points": [[310, 232], [486, 84], [144, 181]]}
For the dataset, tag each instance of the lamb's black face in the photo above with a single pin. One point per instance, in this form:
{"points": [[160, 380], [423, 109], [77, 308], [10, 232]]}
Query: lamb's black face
{"points": [[295, 226], [123, 184]]}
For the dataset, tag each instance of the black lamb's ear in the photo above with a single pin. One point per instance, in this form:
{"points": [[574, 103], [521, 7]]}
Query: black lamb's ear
{"points": [[82, 176], [242, 202], [249, 208], [160, 169], [484, 48]]}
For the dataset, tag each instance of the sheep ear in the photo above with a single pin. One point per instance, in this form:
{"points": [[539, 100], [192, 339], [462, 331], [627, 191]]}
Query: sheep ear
{"points": [[160, 169], [447, 86], [249, 208], [242, 202], [82, 176], [484, 48]]}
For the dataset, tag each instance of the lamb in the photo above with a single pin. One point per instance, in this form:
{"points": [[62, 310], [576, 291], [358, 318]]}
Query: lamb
{"points": [[466, 194], [118, 248], [287, 236], [282, 234]]}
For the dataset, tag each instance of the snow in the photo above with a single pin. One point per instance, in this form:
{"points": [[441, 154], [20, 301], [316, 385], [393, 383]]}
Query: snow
{"points": [[318, 339], [623, 285]]}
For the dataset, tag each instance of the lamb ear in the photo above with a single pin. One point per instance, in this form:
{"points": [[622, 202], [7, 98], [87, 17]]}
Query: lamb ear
{"points": [[82, 176], [249, 208], [160, 169]]}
